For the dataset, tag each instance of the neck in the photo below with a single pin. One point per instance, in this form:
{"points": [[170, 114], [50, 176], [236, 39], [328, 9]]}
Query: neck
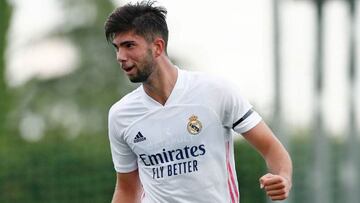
{"points": [[161, 82]]}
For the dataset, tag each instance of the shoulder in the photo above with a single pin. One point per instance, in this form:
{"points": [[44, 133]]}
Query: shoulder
{"points": [[126, 102], [127, 109], [209, 82]]}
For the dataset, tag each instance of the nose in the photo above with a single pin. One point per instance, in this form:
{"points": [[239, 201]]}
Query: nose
{"points": [[121, 56]]}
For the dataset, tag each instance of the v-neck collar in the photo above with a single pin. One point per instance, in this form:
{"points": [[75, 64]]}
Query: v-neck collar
{"points": [[149, 101]]}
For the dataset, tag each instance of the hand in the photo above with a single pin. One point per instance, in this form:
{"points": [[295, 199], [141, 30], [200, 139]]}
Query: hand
{"points": [[277, 187]]}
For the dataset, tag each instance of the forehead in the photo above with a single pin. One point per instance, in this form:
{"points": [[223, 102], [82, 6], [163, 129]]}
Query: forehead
{"points": [[127, 36]]}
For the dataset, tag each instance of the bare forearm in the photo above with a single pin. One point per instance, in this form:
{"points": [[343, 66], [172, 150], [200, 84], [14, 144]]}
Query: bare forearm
{"points": [[278, 161], [277, 183], [128, 188], [126, 196], [274, 153]]}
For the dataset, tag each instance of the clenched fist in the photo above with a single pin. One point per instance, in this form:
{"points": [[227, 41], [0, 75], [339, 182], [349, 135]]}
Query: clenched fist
{"points": [[277, 187]]}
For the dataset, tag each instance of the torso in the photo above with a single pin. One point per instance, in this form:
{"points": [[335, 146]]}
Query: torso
{"points": [[183, 150]]}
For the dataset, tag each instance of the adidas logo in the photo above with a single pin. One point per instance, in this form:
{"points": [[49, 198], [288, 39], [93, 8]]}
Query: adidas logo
{"points": [[139, 138]]}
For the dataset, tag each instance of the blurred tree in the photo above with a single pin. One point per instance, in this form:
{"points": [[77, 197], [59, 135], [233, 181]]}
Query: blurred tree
{"points": [[70, 105], [78, 102], [321, 140], [350, 165], [4, 98]]}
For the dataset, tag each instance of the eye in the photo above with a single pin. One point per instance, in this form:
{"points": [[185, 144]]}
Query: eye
{"points": [[129, 45], [115, 47]]}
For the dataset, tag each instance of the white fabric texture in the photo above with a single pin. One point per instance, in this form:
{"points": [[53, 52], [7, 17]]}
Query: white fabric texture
{"points": [[184, 149]]}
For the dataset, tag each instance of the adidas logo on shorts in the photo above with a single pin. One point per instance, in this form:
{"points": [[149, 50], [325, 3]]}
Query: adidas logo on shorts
{"points": [[139, 138]]}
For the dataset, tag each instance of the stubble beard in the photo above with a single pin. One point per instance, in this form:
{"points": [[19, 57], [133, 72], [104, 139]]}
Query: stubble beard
{"points": [[144, 69]]}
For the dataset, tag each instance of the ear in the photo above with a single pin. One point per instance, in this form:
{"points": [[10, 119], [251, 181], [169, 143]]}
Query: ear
{"points": [[158, 46]]}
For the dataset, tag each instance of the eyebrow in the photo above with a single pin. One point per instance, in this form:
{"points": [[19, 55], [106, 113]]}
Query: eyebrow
{"points": [[124, 43]]}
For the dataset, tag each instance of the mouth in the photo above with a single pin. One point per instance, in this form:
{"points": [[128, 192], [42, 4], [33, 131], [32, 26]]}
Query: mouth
{"points": [[127, 69]]}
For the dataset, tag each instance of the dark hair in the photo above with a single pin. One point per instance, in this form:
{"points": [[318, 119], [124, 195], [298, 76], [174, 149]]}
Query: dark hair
{"points": [[143, 18]]}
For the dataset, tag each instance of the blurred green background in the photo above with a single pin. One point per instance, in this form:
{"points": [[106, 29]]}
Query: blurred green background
{"points": [[53, 130]]}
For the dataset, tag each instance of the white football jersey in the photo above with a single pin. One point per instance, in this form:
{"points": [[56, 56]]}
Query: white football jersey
{"points": [[183, 149]]}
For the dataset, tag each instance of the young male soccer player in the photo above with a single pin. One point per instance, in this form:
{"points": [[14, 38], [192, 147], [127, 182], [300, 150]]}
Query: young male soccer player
{"points": [[171, 138]]}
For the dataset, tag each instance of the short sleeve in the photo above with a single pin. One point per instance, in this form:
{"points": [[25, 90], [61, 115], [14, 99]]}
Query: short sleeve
{"points": [[123, 157], [238, 113]]}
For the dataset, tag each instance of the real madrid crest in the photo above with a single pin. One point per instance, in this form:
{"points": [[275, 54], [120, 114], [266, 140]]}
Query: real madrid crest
{"points": [[194, 126]]}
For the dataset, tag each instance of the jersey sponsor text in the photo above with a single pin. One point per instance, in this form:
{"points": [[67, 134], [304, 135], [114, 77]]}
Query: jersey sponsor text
{"points": [[167, 156]]}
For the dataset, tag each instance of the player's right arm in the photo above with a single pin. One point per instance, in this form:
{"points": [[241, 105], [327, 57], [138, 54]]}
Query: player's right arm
{"points": [[128, 188]]}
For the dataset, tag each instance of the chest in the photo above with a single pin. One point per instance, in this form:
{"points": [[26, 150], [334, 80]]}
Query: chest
{"points": [[175, 127]]}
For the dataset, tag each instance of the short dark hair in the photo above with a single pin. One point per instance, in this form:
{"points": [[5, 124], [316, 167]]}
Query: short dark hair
{"points": [[143, 18]]}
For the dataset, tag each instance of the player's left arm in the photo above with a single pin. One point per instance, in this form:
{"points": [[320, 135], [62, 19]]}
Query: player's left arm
{"points": [[277, 183]]}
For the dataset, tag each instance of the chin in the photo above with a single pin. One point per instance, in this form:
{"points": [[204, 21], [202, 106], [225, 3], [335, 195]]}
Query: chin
{"points": [[135, 80], [139, 78]]}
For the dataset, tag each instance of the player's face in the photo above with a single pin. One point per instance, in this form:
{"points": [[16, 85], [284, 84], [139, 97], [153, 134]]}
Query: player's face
{"points": [[134, 55]]}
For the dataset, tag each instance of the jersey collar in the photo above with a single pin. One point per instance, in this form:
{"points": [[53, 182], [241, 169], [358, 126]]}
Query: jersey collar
{"points": [[174, 95]]}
